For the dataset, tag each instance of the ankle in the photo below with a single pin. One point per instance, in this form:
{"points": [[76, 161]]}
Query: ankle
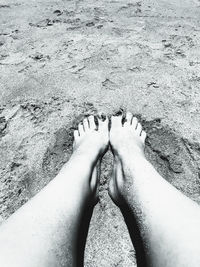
{"points": [[130, 158], [89, 156], [134, 171], [129, 150]]}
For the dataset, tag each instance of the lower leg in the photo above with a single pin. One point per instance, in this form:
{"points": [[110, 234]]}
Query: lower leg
{"points": [[45, 231], [166, 223]]}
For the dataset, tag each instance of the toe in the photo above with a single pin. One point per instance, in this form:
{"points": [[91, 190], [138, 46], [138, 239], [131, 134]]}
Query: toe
{"points": [[80, 129], [85, 124], [134, 122], [116, 121], [76, 135], [103, 124], [139, 128], [129, 117], [92, 122], [143, 136]]}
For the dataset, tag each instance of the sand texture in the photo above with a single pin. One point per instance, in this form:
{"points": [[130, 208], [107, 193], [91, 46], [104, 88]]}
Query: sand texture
{"points": [[62, 60]]}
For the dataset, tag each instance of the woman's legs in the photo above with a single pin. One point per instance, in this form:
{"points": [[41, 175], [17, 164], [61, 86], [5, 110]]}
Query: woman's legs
{"points": [[163, 223], [45, 231]]}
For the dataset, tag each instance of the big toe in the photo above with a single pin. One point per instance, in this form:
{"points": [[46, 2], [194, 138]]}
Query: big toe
{"points": [[128, 119], [116, 121], [103, 124]]}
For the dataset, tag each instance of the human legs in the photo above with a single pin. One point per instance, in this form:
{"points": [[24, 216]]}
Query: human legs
{"points": [[163, 223], [45, 231]]}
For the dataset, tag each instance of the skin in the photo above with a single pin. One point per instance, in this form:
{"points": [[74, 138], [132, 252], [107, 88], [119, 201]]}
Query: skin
{"points": [[163, 223], [51, 229]]}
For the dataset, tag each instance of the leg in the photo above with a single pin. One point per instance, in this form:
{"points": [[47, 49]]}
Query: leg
{"points": [[163, 223], [44, 232]]}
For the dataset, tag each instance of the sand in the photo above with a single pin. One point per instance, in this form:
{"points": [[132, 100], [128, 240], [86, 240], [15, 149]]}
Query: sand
{"points": [[62, 60]]}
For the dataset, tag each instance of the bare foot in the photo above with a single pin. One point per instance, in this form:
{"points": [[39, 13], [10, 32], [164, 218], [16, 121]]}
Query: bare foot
{"points": [[91, 139], [127, 141]]}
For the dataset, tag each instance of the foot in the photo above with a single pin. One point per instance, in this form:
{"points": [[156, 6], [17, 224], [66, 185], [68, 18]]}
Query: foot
{"points": [[92, 140], [127, 141]]}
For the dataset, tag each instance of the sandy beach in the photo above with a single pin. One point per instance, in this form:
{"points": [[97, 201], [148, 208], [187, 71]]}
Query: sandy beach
{"points": [[63, 60]]}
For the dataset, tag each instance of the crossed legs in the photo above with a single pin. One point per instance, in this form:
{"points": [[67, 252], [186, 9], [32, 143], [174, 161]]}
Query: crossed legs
{"points": [[51, 229]]}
